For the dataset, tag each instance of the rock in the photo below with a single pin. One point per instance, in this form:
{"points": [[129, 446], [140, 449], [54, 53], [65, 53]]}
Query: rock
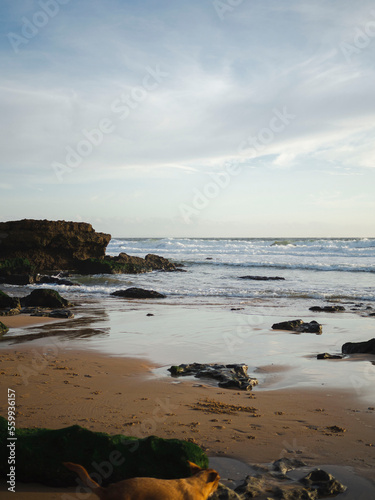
{"points": [[285, 464], [292, 492], [10, 312], [41, 452], [48, 245], [359, 347], [229, 376], [57, 313], [3, 329], [158, 263], [138, 293], [45, 298], [262, 278], [9, 302], [225, 493], [55, 280], [251, 487], [125, 263], [330, 309], [323, 482], [326, 355], [297, 325], [15, 279]]}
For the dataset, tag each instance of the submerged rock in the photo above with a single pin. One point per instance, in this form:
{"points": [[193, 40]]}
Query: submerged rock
{"points": [[326, 355], [41, 452], [359, 347], [55, 280], [297, 325], [262, 278], [330, 309], [138, 293], [232, 376], [45, 298]]}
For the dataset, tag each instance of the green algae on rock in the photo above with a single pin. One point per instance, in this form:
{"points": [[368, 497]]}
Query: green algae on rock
{"points": [[41, 452]]}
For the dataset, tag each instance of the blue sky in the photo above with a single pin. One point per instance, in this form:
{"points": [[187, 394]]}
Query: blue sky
{"points": [[190, 118]]}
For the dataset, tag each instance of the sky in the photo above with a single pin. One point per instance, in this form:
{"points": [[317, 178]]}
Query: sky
{"points": [[195, 118]]}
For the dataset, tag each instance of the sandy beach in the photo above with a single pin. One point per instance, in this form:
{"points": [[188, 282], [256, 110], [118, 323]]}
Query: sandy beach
{"points": [[123, 396]]}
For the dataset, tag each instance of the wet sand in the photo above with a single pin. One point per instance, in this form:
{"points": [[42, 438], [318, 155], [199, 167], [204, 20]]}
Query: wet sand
{"points": [[25, 320], [62, 387]]}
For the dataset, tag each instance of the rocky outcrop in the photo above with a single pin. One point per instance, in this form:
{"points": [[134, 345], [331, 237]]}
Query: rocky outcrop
{"points": [[125, 263], [262, 278], [138, 293], [297, 325], [359, 347], [38, 245], [41, 453], [229, 376]]}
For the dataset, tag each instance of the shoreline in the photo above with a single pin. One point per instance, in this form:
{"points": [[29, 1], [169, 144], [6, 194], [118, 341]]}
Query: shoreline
{"points": [[123, 396]]}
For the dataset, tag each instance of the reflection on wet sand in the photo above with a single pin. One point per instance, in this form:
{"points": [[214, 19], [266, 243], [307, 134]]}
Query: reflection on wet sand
{"points": [[87, 323]]}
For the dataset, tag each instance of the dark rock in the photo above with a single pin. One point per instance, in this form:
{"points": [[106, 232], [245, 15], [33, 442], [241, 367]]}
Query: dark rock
{"points": [[45, 298], [61, 313], [149, 314], [229, 376], [41, 452], [9, 302], [298, 325], [10, 312], [330, 309], [326, 355], [322, 482], [55, 280], [127, 264], [367, 347], [138, 293], [16, 279], [48, 245], [3, 329], [262, 278]]}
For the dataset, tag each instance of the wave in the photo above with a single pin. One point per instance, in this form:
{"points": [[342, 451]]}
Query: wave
{"points": [[285, 266]]}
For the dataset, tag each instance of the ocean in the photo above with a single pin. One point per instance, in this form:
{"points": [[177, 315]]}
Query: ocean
{"points": [[313, 269], [211, 315]]}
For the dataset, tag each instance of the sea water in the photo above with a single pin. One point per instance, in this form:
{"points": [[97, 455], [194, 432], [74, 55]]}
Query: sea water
{"points": [[210, 314]]}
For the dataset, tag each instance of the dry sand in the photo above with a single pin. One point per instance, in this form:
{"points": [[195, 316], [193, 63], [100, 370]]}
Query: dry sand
{"points": [[123, 395]]}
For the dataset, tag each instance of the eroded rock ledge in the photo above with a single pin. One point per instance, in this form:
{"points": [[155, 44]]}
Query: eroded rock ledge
{"points": [[29, 248]]}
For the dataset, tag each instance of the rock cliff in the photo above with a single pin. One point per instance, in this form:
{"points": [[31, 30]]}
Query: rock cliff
{"points": [[50, 245]]}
